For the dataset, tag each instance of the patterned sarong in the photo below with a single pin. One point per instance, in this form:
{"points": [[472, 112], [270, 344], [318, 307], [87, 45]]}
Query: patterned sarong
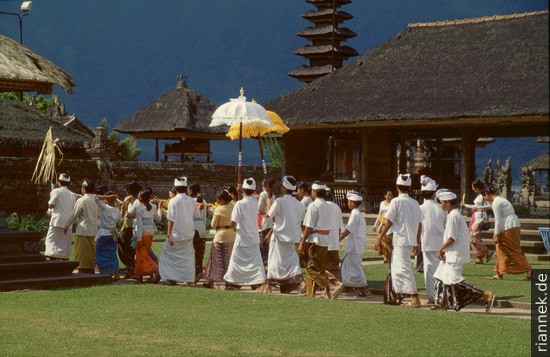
{"points": [[126, 253], [105, 254], [456, 296], [385, 247], [84, 252], [510, 257], [315, 267], [479, 249], [218, 262]]}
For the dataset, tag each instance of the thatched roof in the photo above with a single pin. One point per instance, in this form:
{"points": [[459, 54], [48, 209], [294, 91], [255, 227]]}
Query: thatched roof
{"points": [[175, 113], [490, 67], [540, 163], [23, 70], [26, 126]]}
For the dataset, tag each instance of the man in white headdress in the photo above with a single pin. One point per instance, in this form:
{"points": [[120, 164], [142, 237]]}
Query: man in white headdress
{"points": [[287, 213], [315, 240], [177, 257], [246, 266], [452, 291], [405, 216], [61, 204], [433, 227], [356, 233]]}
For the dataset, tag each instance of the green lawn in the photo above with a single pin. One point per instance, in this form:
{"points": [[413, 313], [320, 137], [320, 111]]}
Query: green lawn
{"points": [[511, 288], [150, 320]]}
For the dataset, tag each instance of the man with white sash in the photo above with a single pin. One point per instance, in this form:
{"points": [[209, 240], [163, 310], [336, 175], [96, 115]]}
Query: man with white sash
{"points": [[433, 227], [61, 204], [314, 243], [405, 217], [356, 233], [177, 257], [452, 291], [287, 213], [246, 266]]}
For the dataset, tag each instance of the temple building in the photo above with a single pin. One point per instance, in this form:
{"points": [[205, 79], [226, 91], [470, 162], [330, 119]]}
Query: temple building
{"points": [[436, 90], [326, 53]]}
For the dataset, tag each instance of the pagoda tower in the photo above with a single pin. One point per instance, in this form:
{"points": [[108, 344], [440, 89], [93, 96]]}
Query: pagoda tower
{"points": [[325, 53]]}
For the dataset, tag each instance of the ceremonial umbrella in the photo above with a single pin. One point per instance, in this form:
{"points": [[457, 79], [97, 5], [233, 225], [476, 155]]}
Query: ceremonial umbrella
{"points": [[257, 130], [249, 115]]}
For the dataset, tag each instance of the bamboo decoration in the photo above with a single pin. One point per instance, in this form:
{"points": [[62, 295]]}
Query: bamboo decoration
{"points": [[45, 172]]}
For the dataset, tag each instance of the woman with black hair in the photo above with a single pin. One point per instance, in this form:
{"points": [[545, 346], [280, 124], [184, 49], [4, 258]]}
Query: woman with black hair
{"points": [[479, 218], [199, 240], [144, 230], [126, 252], [384, 245]]}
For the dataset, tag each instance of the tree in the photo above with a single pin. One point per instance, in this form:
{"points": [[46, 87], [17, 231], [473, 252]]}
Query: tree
{"points": [[125, 149], [489, 174], [39, 102], [274, 152]]}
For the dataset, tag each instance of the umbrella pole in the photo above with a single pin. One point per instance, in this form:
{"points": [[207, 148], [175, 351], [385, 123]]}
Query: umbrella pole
{"points": [[240, 158], [262, 156]]}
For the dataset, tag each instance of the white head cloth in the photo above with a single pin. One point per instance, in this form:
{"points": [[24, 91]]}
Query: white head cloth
{"points": [[249, 184], [287, 184], [441, 191], [354, 196], [84, 183], [180, 181], [429, 185], [317, 186], [403, 180], [447, 196], [65, 178]]}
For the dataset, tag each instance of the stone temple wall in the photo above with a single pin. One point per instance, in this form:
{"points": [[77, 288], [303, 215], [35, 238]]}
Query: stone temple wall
{"points": [[19, 194]]}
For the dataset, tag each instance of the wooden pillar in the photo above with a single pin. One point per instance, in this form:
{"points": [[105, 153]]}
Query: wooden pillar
{"points": [[439, 157], [182, 155], [467, 162], [403, 153], [330, 158], [157, 150], [364, 179]]}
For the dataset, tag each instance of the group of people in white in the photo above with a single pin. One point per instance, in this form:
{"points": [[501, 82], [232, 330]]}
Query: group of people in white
{"points": [[263, 240]]}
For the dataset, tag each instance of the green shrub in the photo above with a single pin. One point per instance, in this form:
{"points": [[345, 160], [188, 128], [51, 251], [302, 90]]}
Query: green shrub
{"points": [[27, 223]]}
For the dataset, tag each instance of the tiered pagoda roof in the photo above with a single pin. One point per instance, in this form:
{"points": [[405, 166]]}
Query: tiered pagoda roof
{"points": [[325, 53]]}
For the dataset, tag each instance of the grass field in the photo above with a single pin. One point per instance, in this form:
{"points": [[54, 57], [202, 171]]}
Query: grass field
{"points": [[173, 320]]}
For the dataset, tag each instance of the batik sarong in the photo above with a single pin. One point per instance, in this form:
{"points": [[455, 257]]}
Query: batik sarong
{"points": [[199, 245], [126, 253], [316, 268], [105, 254], [218, 262], [479, 249], [456, 296], [510, 257]]}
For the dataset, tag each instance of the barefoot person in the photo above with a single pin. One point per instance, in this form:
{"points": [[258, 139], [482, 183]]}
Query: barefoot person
{"points": [[177, 258], [246, 266], [106, 242], [479, 217], [144, 230], [507, 238], [452, 291], [61, 204], [356, 233], [405, 218]]}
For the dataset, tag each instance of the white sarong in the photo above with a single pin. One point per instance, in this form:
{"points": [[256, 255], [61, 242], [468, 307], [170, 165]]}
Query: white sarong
{"points": [[245, 266], [352, 270], [58, 243], [177, 262], [401, 271], [282, 262], [449, 273], [431, 261]]}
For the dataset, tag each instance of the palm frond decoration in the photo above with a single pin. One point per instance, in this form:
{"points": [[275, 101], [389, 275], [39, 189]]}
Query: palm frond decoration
{"points": [[45, 172]]}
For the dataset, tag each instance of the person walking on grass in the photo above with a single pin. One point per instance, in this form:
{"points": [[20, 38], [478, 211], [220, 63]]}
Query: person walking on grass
{"points": [[433, 227], [356, 233], [405, 218], [144, 230], [479, 218], [314, 243], [507, 237], [106, 240], [246, 266], [126, 248], [287, 213], [199, 240], [452, 291], [177, 258], [61, 204]]}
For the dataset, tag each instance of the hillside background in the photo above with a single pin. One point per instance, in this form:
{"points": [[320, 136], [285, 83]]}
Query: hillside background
{"points": [[125, 53]]}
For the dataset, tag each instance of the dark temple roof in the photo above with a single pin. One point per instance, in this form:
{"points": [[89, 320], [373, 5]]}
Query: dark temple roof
{"points": [[177, 111], [487, 67]]}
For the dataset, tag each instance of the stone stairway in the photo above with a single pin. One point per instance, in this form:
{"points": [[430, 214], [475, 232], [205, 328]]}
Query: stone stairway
{"points": [[23, 267]]}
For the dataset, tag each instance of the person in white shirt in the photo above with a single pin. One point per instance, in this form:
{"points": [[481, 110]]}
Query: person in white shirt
{"points": [[85, 212], [61, 204], [146, 215], [384, 245], [314, 243], [264, 223], [246, 266], [106, 239], [303, 193], [283, 265], [433, 227], [199, 240], [356, 234], [405, 218], [507, 237], [479, 218], [452, 291], [333, 256], [177, 257]]}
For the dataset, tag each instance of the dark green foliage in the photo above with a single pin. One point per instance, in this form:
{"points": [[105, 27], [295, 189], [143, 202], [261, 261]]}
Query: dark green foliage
{"points": [[42, 104], [125, 149], [27, 223]]}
